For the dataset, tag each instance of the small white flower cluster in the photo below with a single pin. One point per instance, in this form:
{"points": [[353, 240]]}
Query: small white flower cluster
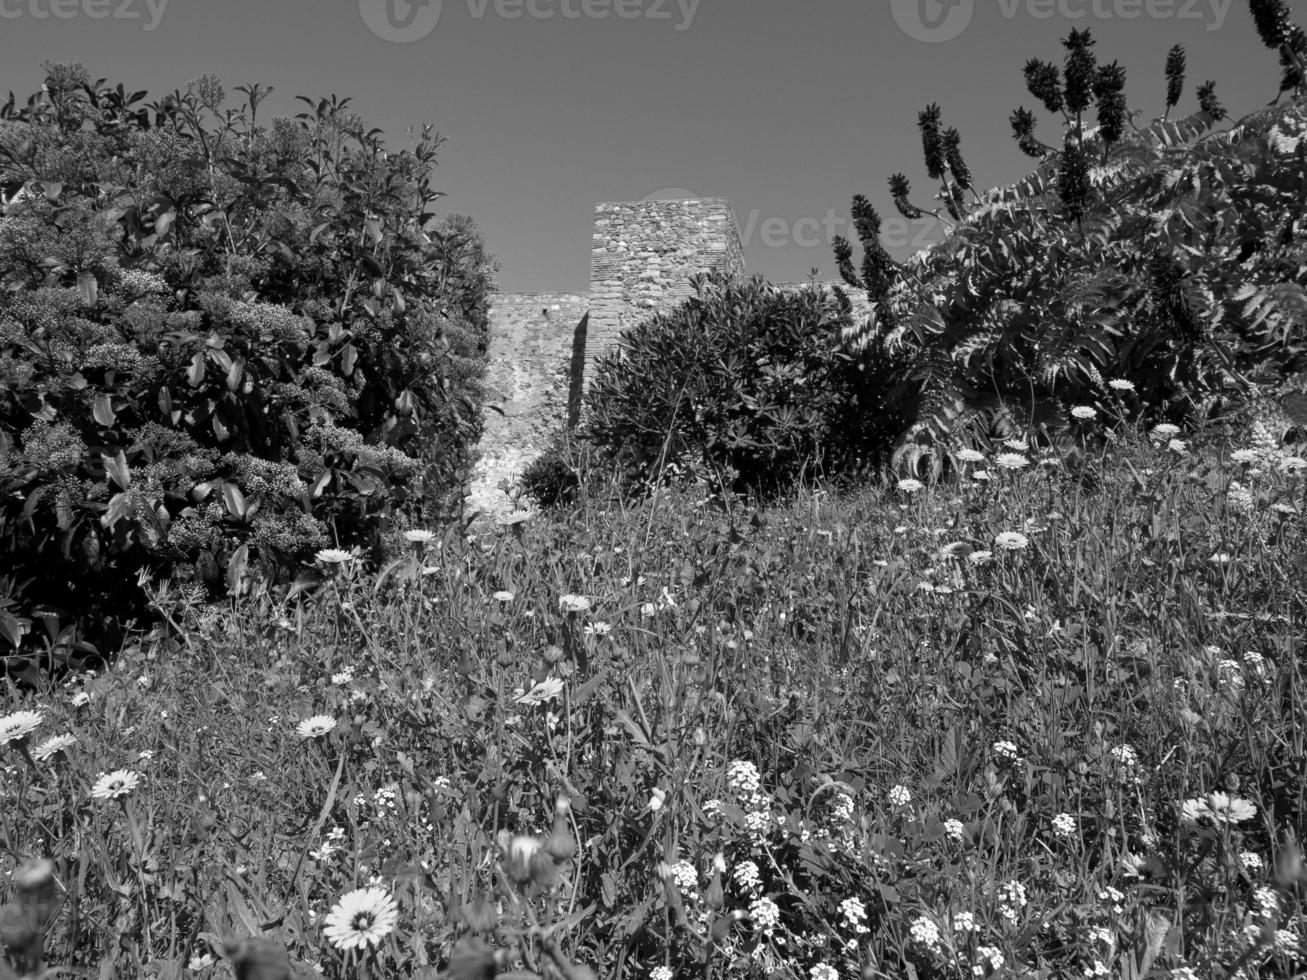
{"points": [[765, 914], [899, 797], [1006, 752], [1127, 763], [988, 961], [1064, 826], [855, 915], [747, 876], [924, 932], [964, 922], [842, 806], [1012, 899], [953, 829], [686, 879], [1113, 899]]}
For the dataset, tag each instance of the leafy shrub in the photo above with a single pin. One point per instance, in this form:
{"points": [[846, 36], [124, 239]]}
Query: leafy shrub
{"points": [[1170, 257], [222, 345], [554, 477], [743, 378]]}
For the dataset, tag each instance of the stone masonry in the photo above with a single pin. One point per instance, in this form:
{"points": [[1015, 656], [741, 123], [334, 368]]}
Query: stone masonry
{"points": [[543, 346]]}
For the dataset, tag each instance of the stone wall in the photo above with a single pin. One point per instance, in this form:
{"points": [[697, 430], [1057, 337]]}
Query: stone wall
{"points": [[543, 346], [643, 256], [528, 379]]}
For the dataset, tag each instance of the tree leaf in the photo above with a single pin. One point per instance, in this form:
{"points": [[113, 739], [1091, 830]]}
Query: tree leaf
{"points": [[102, 410], [234, 501]]}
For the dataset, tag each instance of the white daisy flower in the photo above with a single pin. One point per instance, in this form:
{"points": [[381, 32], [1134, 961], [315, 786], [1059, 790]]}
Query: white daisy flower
{"points": [[573, 603], [53, 746], [333, 556], [115, 785], [18, 726], [1011, 540], [361, 918], [1012, 461], [315, 727], [546, 690], [419, 536]]}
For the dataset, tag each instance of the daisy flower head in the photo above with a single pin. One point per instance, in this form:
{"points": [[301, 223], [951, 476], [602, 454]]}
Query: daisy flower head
{"points": [[1084, 413], [909, 485], [115, 785], [53, 746], [546, 690], [1011, 540], [980, 557], [573, 603], [503, 595], [361, 918], [970, 456], [18, 726], [80, 699], [1223, 808], [1121, 384], [419, 536], [982, 475], [333, 556], [1178, 446], [1015, 444], [315, 727], [1012, 461]]}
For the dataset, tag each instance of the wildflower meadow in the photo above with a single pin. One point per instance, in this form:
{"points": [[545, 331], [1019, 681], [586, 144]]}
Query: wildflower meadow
{"points": [[1007, 726]]}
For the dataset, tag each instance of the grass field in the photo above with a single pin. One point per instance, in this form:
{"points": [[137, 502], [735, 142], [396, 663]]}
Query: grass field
{"points": [[1012, 726]]}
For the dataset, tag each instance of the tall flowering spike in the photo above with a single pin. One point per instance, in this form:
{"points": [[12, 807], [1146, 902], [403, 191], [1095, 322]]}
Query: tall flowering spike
{"points": [[1209, 103], [900, 189], [1109, 90], [1073, 185], [952, 141], [844, 261], [1271, 18], [1175, 69], [1023, 131], [928, 121], [1080, 70], [866, 221], [1293, 56], [1045, 83]]}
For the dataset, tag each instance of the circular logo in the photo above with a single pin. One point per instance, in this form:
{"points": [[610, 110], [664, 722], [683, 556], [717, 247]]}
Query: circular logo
{"points": [[932, 21], [400, 21]]}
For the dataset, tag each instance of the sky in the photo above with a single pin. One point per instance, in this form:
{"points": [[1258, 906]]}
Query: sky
{"points": [[786, 108]]}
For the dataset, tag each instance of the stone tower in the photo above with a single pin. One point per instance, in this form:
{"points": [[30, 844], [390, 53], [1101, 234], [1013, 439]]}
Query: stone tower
{"points": [[643, 256], [543, 346]]}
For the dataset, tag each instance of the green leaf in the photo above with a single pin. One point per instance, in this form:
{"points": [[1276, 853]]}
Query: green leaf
{"points": [[102, 410], [234, 500], [195, 373], [237, 567], [115, 468]]}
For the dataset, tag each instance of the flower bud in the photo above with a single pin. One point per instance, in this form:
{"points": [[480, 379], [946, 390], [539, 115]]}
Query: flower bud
{"points": [[560, 843]]}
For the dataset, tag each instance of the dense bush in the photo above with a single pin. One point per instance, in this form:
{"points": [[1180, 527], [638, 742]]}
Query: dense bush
{"points": [[743, 382], [1171, 257], [223, 345]]}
